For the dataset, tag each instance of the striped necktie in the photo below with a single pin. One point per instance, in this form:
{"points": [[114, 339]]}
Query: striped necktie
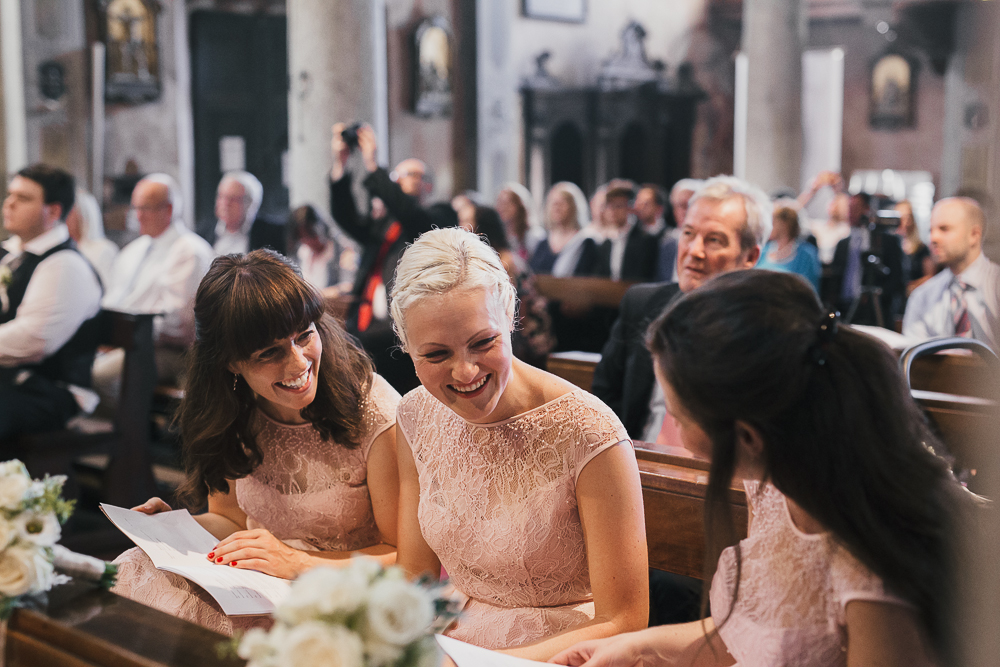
{"points": [[960, 309]]}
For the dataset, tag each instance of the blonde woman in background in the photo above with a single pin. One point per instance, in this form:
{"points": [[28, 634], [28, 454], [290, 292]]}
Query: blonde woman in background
{"points": [[569, 248], [86, 227]]}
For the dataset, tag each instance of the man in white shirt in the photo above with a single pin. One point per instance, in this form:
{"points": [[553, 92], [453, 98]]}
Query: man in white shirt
{"points": [[962, 299], [49, 299], [159, 272]]}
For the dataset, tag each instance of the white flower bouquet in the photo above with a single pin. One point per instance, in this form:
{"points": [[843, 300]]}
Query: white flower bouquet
{"points": [[31, 515], [6, 278], [362, 615]]}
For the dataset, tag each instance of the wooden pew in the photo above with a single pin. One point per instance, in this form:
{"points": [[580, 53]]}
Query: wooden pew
{"points": [[582, 294], [575, 367], [125, 439], [81, 626], [954, 381], [673, 494]]}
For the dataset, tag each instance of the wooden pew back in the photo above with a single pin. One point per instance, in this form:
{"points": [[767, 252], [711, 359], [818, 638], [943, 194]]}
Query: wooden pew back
{"points": [[80, 626], [673, 495], [582, 294]]}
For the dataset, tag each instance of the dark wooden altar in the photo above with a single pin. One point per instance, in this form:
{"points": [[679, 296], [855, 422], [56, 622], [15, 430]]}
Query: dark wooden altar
{"points": [[588, 135]]}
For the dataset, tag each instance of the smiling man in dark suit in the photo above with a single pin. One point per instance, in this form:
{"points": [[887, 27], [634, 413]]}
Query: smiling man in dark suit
{"points": [[727, 223]]}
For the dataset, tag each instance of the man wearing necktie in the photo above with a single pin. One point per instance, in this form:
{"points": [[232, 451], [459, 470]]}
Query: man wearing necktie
{"points": [[962, 299], [49, 300]]}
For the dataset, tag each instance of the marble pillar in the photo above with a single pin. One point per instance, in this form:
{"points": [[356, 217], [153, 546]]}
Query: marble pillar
{"points": [[15, 145], [774, 32], [970, 162], [332, 78], [500, 132]]}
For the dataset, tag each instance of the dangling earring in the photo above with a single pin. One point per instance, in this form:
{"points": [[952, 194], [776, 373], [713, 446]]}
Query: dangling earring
{"points": [[236, 379]]}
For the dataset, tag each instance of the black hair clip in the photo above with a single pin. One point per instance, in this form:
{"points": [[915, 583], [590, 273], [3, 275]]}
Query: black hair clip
{"points": [[828, 327]]}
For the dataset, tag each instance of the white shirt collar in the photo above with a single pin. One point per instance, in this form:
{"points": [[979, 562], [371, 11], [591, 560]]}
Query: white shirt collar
{"points": [[41, 243], [656, 227], [169, 235], [975, 274]]}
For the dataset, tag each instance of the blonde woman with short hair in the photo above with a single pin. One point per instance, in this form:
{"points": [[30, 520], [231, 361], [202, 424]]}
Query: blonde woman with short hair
{"points": [[524, 487]]}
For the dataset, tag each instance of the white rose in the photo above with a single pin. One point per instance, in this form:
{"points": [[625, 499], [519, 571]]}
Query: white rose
{"points": [[366, 567], [41, 528], [12, 490], [399, 612], [323, 590], [315, 644], [256, 647], [7, 533], [24, 569], [13, 467]]}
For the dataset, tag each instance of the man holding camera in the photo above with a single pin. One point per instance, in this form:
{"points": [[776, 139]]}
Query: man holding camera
{"points": [[866, 263], [382, 240]]}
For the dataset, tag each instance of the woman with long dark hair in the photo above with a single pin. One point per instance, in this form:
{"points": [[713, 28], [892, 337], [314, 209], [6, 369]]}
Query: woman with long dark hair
{"points": [[287, 436], [848, 557]]}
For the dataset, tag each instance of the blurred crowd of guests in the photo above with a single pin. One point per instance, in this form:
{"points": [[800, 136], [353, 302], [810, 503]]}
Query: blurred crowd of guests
{"points": [[865, 258]]}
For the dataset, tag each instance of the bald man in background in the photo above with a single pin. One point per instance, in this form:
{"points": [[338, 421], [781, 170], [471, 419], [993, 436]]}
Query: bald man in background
{"points": [[962, 300], [159, 272]]}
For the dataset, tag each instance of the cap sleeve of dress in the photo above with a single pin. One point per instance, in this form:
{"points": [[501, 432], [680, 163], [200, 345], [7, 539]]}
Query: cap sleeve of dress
{"points": [[597, 429], [380, 411], [411, 415], [851, 580]]}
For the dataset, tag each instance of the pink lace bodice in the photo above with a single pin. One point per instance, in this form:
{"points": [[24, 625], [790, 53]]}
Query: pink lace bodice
{"points": [[310, 493], [498, 506], [793, 590]]}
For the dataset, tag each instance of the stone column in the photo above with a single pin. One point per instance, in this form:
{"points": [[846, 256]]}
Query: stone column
{"points": [[15, 144], [970, 163], [331, 70], [499, 123], [774, 32]]}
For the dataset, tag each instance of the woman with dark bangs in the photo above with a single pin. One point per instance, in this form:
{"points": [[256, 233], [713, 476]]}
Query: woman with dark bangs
{"points": [[848, 558], [287, 437]]}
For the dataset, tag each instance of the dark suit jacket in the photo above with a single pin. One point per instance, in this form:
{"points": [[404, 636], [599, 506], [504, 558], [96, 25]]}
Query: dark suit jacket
{"points": [[624, 377], [638, 262], [893, 284], [267, 233], [369, 233]]}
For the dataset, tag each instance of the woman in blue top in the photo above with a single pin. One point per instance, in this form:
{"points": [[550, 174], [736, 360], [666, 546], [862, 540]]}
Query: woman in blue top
{"points": [[785, 251]]}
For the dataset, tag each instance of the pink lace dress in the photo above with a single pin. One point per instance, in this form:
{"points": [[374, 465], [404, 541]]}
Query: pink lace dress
{"points": [[793, 591], [498, 507], [310, 493]]}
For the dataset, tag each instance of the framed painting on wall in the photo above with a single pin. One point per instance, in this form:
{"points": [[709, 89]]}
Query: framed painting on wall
{"points": [[432, 85], [573, 11], [893, 92], [133, 63]]}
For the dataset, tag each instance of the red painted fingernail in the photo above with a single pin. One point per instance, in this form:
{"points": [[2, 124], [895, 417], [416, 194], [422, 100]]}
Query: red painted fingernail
{"points": [[219, 559], [211, 555], [234, 563]]}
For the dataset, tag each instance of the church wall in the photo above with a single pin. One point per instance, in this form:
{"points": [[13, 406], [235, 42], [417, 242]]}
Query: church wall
{"points": [[429, 139], [864, 147], [675, 32]]}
